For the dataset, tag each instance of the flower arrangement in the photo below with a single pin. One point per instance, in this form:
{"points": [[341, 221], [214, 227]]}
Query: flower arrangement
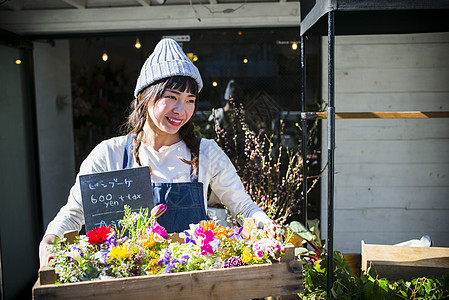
{"points": [[142, 247]]}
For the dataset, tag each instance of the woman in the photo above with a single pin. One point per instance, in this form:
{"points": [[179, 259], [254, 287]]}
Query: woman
{"points": [[161, 136]]}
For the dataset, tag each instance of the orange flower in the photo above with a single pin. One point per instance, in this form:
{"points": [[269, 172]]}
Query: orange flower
{"points": [[216, 229], [148, 240]]}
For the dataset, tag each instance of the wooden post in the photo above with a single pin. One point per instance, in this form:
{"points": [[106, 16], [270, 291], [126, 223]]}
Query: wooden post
{"points": [[249, 225], [70, 236], [289, 254], [47, 275], [294, 266]]}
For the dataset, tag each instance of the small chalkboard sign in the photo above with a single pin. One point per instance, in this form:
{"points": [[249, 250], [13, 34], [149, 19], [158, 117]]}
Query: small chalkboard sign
{"points": [[105, 195]]}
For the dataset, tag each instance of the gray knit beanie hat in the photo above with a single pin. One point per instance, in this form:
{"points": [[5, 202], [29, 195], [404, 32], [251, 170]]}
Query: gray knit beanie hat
{"points": [[167, 60]]}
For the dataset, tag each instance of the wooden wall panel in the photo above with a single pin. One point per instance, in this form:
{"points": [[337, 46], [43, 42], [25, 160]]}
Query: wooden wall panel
{"points": [[392, 175], [394, 101], [406, 198], [391, 129]]}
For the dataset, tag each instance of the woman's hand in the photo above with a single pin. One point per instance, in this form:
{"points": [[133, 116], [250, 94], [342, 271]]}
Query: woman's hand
{"points": [[44, 253]]}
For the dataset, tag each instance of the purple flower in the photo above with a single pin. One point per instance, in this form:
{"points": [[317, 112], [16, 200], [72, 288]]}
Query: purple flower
{"points": [[235, 261], [184, 259], [165, 258], [189, 238], [111, 240], [236, 233], [171, 265]]}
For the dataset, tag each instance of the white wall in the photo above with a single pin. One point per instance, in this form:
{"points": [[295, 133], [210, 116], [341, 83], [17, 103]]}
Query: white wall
{"points": [[55, 129], [391, 175]]}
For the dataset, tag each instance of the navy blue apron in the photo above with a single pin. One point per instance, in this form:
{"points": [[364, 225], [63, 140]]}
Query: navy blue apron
{"points": [[184, 200]]}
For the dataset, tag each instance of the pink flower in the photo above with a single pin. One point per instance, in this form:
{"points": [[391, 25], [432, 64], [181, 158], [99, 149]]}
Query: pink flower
{"points": [[205, 237], [206, 249], [158, 210], [199, 232], [268, 246], [259, 254], [208, 236], [156, 228]]}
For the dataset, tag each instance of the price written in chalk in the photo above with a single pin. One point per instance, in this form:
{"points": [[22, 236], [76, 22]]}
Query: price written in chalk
{"points": [[109, 200], [105, 195]]}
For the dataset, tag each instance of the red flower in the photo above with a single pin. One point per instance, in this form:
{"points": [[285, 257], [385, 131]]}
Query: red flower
{"points": [[98, 235]]}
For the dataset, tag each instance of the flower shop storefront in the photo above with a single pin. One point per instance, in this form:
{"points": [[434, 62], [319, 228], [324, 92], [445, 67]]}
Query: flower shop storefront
{"points": [[263, 61]]}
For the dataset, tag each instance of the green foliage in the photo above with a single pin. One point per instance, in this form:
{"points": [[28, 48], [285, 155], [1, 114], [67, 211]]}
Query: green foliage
{"points": [[347, 286]]}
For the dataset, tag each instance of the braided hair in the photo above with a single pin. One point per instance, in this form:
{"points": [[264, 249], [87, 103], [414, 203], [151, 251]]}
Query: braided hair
{"points": [[139, 114]]}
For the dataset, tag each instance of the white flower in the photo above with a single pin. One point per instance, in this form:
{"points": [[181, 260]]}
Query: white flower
{"points": [[75, 255]]}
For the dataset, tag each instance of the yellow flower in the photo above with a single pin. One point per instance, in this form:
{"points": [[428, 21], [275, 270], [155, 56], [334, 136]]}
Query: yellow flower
{"points": [[153, 266], [121, 251], [154, 269], [246, 257], [224, 253]]}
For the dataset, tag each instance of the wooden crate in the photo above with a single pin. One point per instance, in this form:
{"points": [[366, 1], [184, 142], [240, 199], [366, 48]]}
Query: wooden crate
{"points": [[402, 262], [257, 281]]}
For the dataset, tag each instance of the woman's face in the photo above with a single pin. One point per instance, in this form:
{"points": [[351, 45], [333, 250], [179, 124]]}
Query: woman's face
{"points": [[171, 111]]}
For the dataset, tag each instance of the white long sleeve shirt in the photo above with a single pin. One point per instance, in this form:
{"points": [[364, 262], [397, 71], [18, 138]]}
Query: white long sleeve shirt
{"points": [[215, 170]]}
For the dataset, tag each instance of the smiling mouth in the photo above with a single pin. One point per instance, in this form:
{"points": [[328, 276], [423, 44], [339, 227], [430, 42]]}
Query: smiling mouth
{"points": [[173, 121]]}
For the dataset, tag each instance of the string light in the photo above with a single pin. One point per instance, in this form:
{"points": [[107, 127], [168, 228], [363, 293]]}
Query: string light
{"points": [[214, 83], [245, 60], [192, 56], [18, 62], [137, 44], [294, 46], [105, 56]]}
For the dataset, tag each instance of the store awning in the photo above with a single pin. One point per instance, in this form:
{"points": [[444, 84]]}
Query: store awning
{"points": [[375, 17]]}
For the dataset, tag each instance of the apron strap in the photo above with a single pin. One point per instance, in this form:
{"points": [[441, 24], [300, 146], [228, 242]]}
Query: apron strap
{"points": [[195, 178], [128, 154]]}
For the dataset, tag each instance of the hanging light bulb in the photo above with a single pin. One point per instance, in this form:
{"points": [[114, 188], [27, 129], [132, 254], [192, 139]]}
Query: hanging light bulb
{"points": [[137, 44], [294, 46], [105, 55]]}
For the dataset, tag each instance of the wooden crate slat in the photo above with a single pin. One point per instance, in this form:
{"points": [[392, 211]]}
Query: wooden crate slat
{"points": [[402, 262], [247, 282]]}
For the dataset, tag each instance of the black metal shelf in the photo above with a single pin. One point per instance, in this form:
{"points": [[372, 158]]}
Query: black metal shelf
{"points": [[349, 17]]}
